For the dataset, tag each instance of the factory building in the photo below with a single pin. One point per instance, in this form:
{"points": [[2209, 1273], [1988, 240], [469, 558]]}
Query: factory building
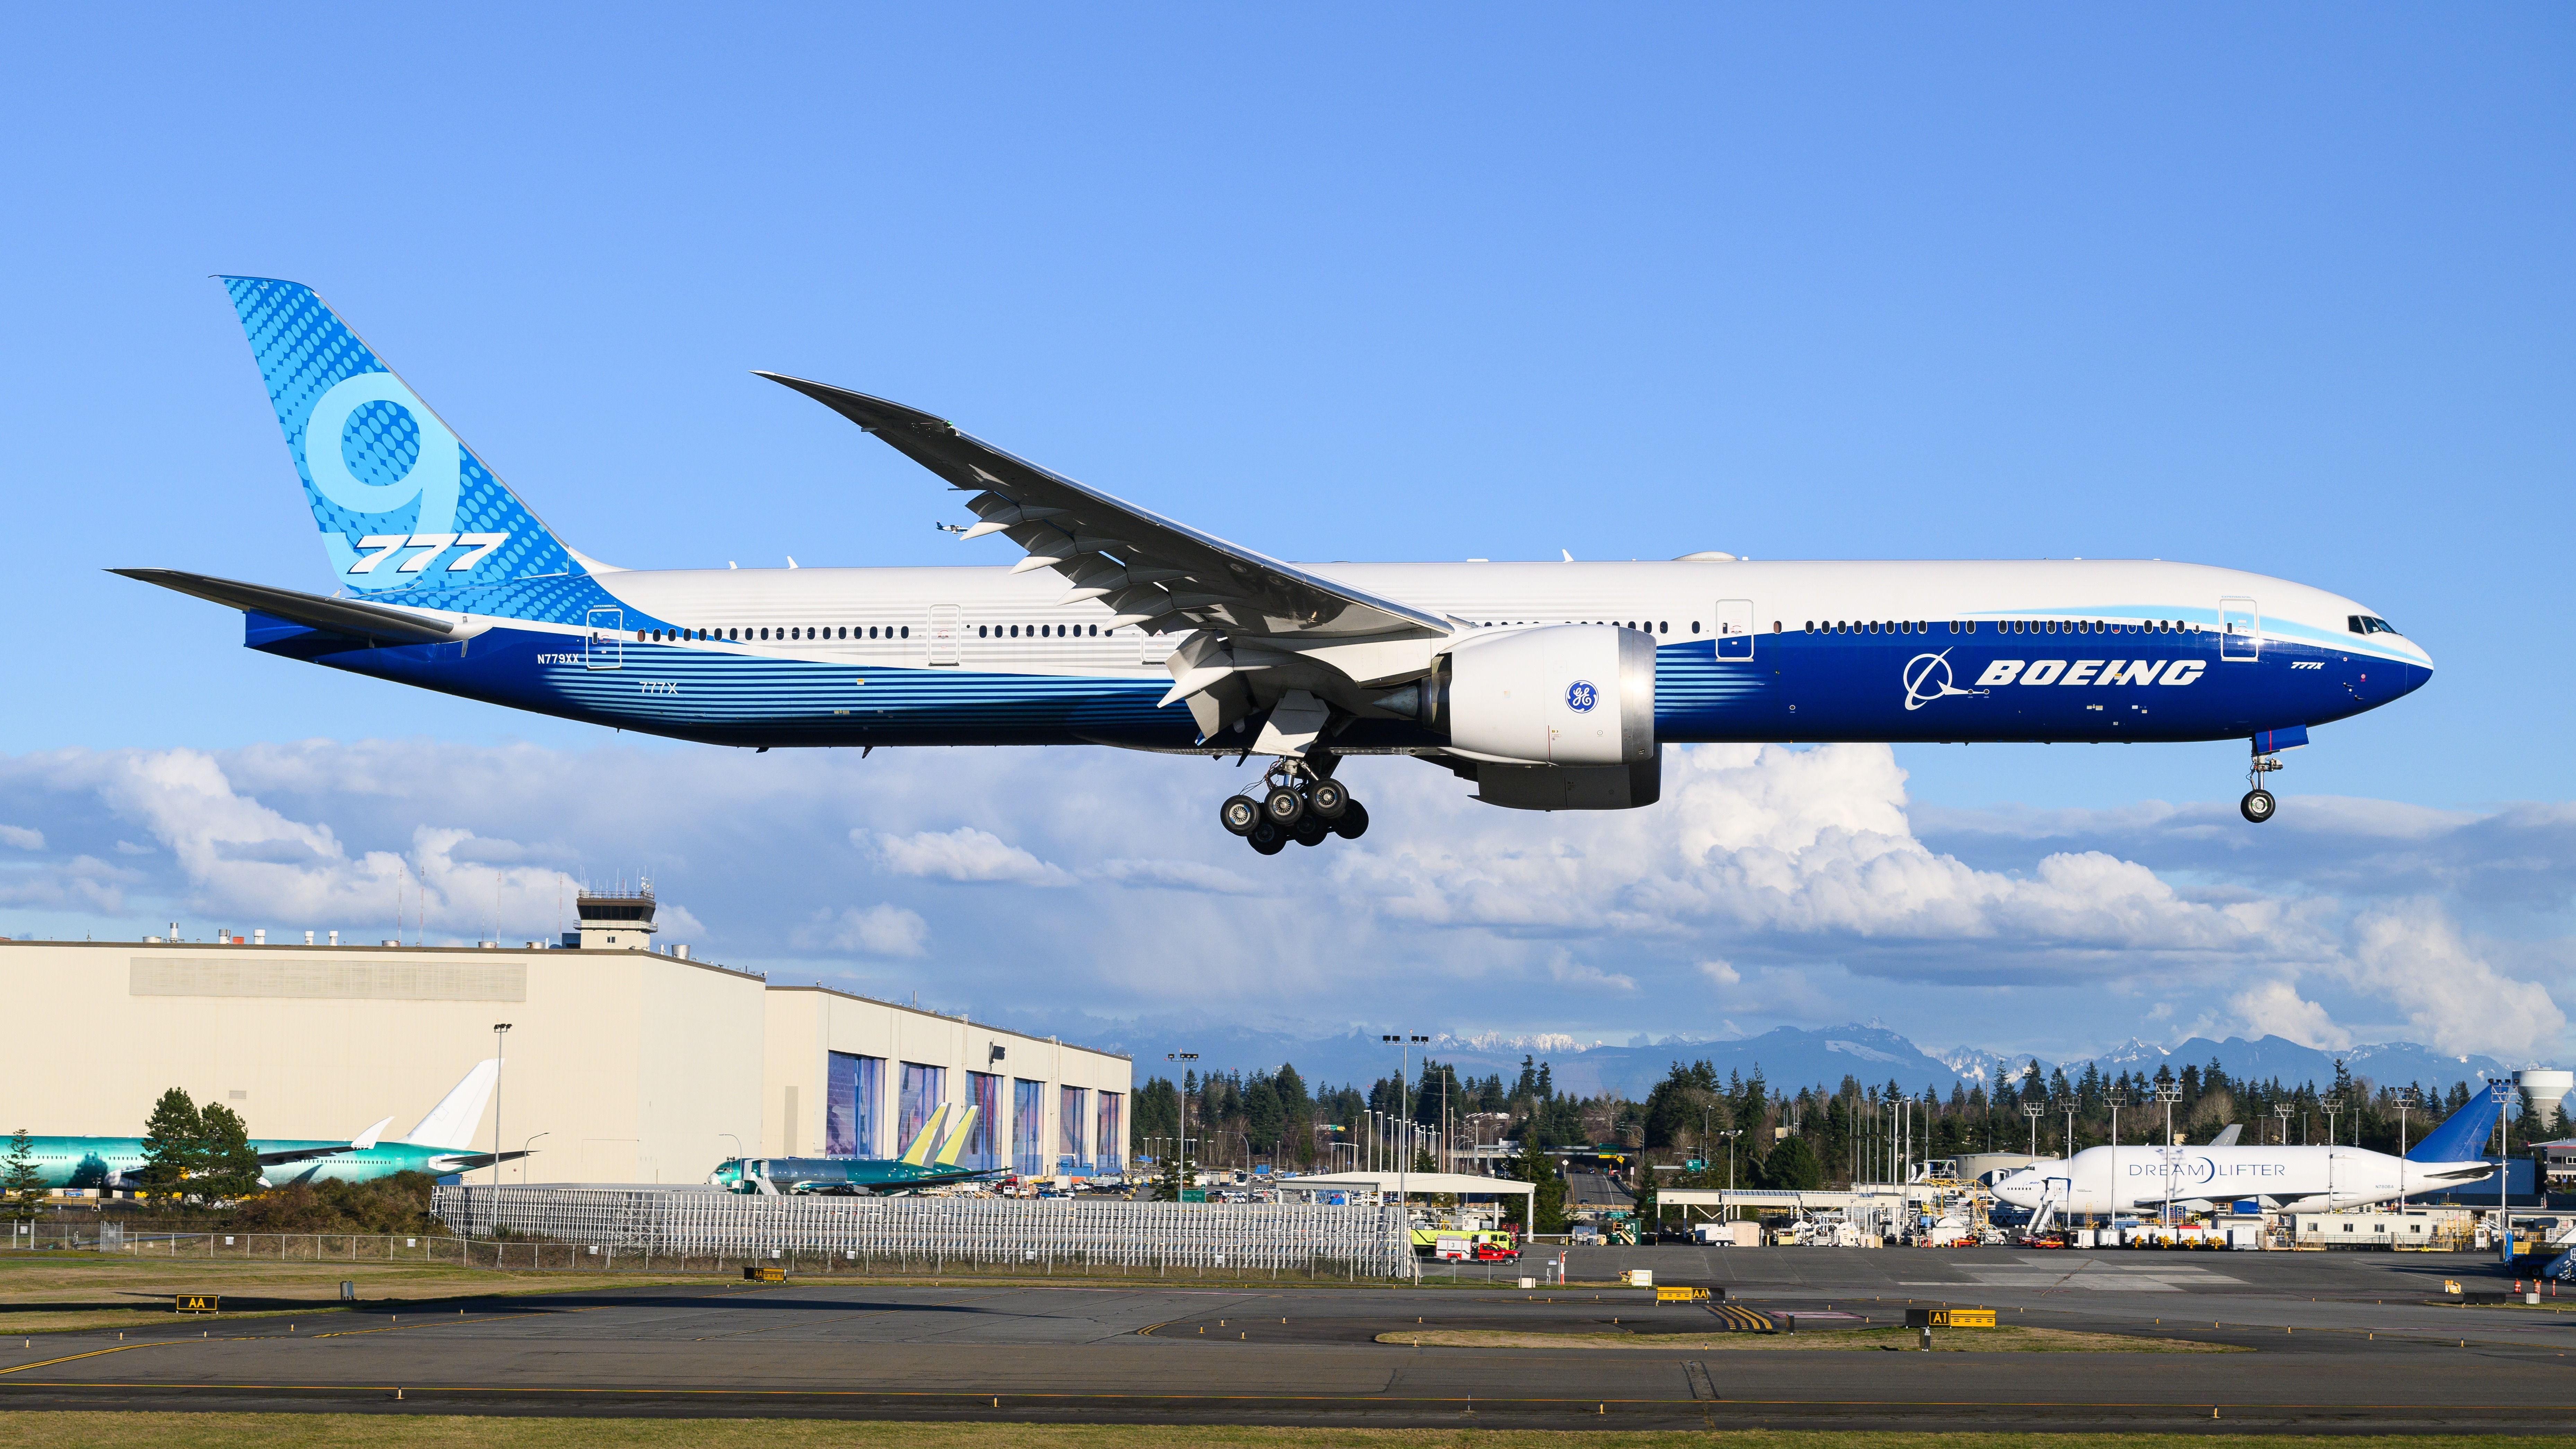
{"points": [[622, 1063]]}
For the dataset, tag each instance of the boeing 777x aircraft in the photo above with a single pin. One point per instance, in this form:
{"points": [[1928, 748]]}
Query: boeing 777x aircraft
{"points": [[1551, 686]]}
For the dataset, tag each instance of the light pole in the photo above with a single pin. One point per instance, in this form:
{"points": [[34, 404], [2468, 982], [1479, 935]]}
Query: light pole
{"points": [[523, 1156], [1181, 1157], [2282, 1135], [2502, 1093], [2330, 1106], [1730, 1135], [2118, 1098], [2032, 1110], [2405, 1100], [2069, 1105], [1404, 1115], [2169, 1093], [500, 1033]]}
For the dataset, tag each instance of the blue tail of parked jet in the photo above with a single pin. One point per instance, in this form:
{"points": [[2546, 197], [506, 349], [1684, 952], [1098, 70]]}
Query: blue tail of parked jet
{"points": [[408, 513], [2463, 1136]]}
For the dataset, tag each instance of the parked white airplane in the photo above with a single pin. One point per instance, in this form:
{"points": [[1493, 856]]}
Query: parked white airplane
{"points": [[2115, 1180]]}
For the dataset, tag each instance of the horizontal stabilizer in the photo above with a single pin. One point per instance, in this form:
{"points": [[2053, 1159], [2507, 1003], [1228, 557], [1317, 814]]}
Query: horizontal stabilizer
{"points": [[338, 616], [2463, 1136]]}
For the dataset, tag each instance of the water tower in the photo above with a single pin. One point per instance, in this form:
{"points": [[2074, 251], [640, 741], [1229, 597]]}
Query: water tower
{"points": [[2548, 1087]]}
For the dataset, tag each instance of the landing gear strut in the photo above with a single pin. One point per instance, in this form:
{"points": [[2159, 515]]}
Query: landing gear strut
{"points": [[1301, 803], [2258, 804]]}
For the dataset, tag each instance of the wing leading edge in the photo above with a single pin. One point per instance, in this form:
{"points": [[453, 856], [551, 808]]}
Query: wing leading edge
{"points": [[1258, 634]]}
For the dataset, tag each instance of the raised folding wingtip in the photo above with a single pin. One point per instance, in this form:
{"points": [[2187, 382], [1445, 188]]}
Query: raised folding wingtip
{"points": [[868, 412], [367, 1139]]}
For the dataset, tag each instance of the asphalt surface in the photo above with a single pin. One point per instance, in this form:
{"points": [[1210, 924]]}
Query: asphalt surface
{"points": [[2343, 1343]]}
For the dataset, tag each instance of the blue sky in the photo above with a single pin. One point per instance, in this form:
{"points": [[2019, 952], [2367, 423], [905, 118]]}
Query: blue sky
{"points": [[2284, 291]]}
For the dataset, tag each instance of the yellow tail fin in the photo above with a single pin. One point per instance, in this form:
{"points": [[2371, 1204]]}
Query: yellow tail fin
{"points": [[918, 1153], [957, 1138]]}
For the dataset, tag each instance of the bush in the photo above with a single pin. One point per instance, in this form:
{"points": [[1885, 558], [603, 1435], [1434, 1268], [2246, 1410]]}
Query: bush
{"points": [[396, 1204]]}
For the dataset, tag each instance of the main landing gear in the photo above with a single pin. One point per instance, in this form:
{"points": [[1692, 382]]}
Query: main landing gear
{"points": [[2258, 804], [1298, 804]]}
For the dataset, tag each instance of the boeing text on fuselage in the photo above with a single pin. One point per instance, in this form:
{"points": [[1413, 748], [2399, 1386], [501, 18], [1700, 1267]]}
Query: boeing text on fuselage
{"points": [[1548, 685]]}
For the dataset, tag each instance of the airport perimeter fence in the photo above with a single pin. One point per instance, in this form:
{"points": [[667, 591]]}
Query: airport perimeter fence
{"points": [[1041, 1235]]}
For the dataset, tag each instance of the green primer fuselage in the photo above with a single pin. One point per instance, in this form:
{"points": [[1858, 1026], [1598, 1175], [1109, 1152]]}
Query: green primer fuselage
{"points": [[96, 1162]]}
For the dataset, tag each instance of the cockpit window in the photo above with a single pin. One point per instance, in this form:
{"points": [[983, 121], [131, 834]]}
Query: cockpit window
{"points": [[2366, 624]]}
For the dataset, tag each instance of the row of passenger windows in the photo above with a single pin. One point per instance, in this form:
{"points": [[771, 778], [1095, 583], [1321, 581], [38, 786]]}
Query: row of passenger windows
{"points": [[695, 636], [1647, 626], [2002, 626], [1037, 631]]}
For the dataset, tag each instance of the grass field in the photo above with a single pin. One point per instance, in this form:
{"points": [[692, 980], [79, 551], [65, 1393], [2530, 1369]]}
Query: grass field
{"points": [[380, 1431], [51, 1292], [2007, 1339]]}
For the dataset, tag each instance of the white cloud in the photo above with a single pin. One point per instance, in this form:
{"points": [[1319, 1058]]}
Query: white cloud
{"points": [[2275, 1008], [1771, 886], [2414, 956], [880, 930], [1180, 875], [22, 838], [963, 854]]}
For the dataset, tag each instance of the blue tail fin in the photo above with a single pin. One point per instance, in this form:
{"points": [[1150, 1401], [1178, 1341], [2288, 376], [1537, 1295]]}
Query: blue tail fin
{"points": [[404, 507], [2463, 1136]]}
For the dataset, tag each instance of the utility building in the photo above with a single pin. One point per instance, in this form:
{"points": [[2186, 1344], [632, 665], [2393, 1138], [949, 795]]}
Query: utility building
{"points": [[622, 1063]]}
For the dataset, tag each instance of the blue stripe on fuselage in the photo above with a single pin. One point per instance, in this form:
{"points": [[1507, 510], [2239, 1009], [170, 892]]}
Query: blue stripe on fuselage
{"points": [[1795, 686]]}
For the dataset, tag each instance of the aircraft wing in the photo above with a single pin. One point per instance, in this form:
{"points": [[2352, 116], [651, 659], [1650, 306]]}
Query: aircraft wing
{"points": [[1256, 630], [337, 616]]}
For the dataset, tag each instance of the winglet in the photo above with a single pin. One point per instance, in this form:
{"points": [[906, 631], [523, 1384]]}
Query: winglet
{"points": [[367, 1139]]}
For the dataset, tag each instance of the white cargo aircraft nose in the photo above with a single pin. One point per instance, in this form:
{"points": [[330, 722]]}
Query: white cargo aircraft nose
{"points": [[2020, 1187]]}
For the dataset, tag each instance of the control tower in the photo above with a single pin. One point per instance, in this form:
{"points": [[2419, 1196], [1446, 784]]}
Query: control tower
{"points": [[617, 921]]}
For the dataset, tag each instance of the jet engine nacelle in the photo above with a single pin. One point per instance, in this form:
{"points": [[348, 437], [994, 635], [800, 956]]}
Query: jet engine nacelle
{"points": [[1560, 717], [1563, 694]]}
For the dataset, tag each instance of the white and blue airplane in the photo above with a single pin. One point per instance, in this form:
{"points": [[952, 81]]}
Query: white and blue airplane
{"points": [[1551, 686], [2114, 1180]]}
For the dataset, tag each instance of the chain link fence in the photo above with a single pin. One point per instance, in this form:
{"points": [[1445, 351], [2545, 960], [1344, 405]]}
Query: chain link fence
{"points": [[1042, 1235]]}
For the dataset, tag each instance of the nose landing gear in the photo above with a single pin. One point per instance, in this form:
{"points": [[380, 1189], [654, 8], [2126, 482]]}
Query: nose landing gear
{"points": [[1300, 805], [2258, 804]]}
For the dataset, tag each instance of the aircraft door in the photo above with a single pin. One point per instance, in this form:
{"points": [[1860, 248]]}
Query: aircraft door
{"points": [[947, 626], [603, 646], [2240, 630], [1734, 628]]}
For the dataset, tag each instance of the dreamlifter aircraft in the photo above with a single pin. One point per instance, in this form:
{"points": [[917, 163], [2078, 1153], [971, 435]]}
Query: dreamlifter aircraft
{"points": [[2299, 1179], [1552, 686]]}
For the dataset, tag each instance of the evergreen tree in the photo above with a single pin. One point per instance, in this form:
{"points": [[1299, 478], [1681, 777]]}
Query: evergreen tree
{"points": [[1792, 1164], [1534, 1166], [171, 1142], [22, 1182], [228, 1164]]}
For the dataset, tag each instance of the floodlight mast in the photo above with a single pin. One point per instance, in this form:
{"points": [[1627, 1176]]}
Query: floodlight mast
{"points": [[2169, 1093]]}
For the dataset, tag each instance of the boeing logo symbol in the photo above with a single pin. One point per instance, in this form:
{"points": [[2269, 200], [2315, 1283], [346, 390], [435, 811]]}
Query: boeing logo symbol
{"points": [[1580, 696], [1927, 678]]}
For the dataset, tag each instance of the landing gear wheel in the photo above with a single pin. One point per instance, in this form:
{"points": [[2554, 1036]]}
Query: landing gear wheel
{"points": [[1239, 814], [2258, 805], [1311, 830], [1353, 822], [1327, 799], [1267, 838], [1283, 807]]}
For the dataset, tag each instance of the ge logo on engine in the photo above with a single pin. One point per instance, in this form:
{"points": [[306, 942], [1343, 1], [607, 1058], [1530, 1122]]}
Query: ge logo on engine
{"points": [[1580, 696]]}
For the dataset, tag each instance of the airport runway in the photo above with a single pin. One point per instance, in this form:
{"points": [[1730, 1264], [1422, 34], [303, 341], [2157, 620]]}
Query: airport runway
{"points": [[2342, 1343]]}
